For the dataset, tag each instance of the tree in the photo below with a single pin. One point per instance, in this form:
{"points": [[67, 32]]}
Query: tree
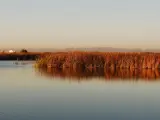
{"points": [[23, 51]]}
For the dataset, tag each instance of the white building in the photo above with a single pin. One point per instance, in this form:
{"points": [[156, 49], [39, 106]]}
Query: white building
{"points": [[11, 51]]}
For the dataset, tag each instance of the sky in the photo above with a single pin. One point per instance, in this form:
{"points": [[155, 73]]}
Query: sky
{"points": [[79, 23]]}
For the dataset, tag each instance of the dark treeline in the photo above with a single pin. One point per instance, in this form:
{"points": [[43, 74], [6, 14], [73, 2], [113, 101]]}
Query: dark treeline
{"points": [[19, 56], [94, 60]]}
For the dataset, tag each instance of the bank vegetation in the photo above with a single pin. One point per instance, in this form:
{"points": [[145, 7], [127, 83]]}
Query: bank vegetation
{"points": [[94, 60]]}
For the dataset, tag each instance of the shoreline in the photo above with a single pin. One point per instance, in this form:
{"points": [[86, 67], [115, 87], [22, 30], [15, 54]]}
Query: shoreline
{"points": [[19, 56]]}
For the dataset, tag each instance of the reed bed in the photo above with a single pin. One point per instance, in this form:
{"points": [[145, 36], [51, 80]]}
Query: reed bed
{"points": [[94, 60]]}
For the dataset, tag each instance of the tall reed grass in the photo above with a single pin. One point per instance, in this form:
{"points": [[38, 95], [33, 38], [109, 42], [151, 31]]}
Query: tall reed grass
{"points": [[93, 60]]}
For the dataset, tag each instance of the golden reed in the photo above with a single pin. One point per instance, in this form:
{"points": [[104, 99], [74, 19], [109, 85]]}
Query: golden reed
{"points": [[94, 60]]}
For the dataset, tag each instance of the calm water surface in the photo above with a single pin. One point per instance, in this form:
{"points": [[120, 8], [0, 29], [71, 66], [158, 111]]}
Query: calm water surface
{"points": [[28, 95]]}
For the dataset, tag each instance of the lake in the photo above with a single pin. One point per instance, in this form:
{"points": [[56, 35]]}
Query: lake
{"points": [[30, 94]]}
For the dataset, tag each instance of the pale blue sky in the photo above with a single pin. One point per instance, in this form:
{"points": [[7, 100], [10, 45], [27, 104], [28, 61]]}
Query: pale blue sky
{"points": [[79, 23]]}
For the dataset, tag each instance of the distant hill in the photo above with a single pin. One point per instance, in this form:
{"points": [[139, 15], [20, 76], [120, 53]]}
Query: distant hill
{"points": [[93, 49], [104, 49], [153, 50]]}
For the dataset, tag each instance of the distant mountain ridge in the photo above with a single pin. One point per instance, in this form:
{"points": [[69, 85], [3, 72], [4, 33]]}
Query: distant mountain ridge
{"points": [[93, 49], [96, 49], [104, 49]]}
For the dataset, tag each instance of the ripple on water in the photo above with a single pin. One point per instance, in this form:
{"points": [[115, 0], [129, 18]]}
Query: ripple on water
{"points": [[1, 113]]}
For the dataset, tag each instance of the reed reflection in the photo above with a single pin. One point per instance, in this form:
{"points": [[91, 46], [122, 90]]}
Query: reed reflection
{"points": [[102, 74]]}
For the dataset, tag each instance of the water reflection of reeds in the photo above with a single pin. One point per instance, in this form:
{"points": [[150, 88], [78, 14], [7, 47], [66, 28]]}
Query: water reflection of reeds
{"points": [[107, 74], [70, 73], [136, 74]]}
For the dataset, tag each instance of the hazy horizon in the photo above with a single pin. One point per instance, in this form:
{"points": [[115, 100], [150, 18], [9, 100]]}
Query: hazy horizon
{"points": [[83, 23]]}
